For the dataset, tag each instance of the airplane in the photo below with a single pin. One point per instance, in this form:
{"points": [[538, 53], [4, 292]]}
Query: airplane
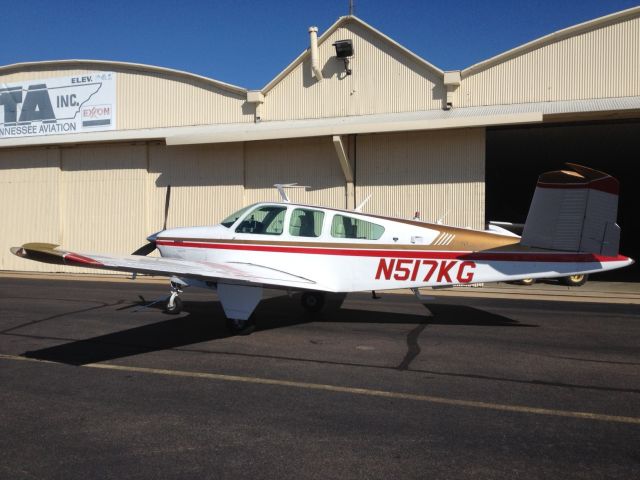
{"points": [[570, 229]]}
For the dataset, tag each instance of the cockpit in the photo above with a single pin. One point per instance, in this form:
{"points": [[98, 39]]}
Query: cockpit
{"points": [[300, 221]]}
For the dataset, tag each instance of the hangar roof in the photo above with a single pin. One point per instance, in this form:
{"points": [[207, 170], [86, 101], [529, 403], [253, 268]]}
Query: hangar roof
{"points": [[135, 67], [546, 39], [553, 37]]}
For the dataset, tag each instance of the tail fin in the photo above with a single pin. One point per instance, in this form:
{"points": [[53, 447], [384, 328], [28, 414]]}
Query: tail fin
{"points": [[574, 210]]}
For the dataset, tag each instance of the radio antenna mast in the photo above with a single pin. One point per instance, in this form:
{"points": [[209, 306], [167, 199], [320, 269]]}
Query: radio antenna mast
{"points": [[351, 9]]}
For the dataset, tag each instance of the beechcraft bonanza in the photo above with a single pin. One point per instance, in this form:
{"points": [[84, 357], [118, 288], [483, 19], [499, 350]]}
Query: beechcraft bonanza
{"points": [[570, 229]]}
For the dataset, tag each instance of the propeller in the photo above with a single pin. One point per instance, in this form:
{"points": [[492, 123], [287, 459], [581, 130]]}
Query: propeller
{"points": [[149, 247], [146, 249], [167, 199]]}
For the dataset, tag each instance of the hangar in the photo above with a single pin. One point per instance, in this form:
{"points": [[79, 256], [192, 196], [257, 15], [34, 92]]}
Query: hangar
{"points": [[89, 148]]}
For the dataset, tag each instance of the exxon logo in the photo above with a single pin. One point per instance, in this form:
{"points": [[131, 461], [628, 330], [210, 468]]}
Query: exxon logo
{"points": [[96, 115]]}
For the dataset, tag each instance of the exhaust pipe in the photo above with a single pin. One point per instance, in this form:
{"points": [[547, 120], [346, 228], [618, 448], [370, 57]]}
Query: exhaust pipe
{"points": [[315, 60]]}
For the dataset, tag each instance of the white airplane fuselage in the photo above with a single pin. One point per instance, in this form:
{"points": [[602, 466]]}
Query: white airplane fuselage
{"points": [[409, 254]]}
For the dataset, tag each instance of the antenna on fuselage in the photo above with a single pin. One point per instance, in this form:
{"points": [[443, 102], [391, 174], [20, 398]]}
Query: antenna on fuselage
{"points": [[441, 219], [282, 186], [363, 203]]}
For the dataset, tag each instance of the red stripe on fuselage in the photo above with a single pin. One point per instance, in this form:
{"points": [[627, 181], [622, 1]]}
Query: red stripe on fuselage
{"points": [[399, 253]]}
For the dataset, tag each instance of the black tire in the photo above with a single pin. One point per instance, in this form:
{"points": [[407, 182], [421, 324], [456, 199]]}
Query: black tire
{"points": [[246, 328], [177, 306], [575, 280], [312, 302], [525, 281]]}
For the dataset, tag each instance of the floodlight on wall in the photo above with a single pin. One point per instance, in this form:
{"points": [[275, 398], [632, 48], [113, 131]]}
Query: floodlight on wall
{"points": [[344, 50]]}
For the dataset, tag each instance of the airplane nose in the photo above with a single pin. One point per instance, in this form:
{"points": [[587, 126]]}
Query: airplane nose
{"points": [[150, 246], [154, 236]]}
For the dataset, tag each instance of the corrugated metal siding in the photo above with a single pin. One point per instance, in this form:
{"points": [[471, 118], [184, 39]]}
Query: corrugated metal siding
{"points": [[152, 100], [103, 204], [604, 62], [206, 183], [110, 197], [384, 80], [29, 193], [307, 161], [148, 101], [440, 174]]}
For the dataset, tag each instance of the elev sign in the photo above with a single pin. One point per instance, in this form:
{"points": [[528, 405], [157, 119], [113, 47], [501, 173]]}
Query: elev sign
{"points": [[59, 105]]}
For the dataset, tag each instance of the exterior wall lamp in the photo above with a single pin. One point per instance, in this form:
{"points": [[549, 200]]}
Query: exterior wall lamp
{"points": [[344, 50]]}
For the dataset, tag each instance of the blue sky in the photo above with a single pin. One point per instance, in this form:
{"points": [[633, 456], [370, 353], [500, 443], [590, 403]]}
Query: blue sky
{"points": [[247, 43]]}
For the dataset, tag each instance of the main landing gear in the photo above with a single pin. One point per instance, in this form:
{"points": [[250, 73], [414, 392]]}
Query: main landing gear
{"points": [[312, 302]]}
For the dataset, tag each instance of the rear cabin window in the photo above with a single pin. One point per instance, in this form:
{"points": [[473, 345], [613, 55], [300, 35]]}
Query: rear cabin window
{"points": [[349, 227], [306, 223], [265, 220]]}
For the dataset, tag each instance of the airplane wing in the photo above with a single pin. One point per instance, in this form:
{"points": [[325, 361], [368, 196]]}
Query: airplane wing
{"points": [[248, 273]]}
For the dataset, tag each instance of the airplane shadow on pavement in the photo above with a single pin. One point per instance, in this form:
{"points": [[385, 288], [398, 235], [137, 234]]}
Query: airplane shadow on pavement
{"points": [[204, 322]]}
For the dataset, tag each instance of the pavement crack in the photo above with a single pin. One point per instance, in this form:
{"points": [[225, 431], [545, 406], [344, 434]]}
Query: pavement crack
{"points": [[413, 348]]}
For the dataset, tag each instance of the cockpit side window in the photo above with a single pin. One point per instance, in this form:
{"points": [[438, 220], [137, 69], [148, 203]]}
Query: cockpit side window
{"points": [[231, 219], [265, 220], [349, 227], [306, 223]]}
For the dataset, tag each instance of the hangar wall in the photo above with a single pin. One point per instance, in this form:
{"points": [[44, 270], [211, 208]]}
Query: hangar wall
{"points": [[206, 183], [307, 161], [440, 174], [600, 61], [102, 196], [30, 192]]}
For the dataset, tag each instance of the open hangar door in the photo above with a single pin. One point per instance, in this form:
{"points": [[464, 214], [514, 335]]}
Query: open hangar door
{"points": [[516, 156]]}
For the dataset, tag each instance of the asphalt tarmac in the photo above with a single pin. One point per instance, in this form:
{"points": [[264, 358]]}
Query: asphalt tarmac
{"points": [[92, 385]]}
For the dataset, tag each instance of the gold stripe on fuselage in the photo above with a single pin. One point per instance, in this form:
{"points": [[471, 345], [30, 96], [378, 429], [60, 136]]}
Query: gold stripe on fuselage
{"points": [[452, 238]]}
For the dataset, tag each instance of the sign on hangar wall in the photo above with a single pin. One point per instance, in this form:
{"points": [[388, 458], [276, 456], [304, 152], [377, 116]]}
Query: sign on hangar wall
{"points": [[60, 105]]}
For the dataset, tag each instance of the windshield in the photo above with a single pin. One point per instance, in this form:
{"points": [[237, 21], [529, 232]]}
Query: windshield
{"points": [[231, 219], [266, 220]]}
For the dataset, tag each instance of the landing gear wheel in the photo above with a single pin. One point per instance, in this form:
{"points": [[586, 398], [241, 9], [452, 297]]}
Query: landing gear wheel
{"points": [[174, 309], [575, 280], [240, 327], [312, 301], [526, 281]]}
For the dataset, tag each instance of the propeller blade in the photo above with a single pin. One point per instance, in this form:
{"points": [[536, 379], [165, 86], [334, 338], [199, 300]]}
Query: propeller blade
{"points": [[145, 249], [167, 199], [151, 246]]}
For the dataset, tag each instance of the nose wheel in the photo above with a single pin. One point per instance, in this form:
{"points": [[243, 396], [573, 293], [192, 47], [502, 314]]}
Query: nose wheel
{"points": [[241, 327], [174, 303]]}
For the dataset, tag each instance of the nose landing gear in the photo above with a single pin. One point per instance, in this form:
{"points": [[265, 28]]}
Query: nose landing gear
{"points": [[241, 327], [174, 303]]}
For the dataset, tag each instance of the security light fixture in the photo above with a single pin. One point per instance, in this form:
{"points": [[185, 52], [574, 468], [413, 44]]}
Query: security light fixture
{"points": [[344, 50]]}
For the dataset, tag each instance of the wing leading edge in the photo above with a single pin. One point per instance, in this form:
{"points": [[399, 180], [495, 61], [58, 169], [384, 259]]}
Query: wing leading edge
{"points": [[248, 273]]}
